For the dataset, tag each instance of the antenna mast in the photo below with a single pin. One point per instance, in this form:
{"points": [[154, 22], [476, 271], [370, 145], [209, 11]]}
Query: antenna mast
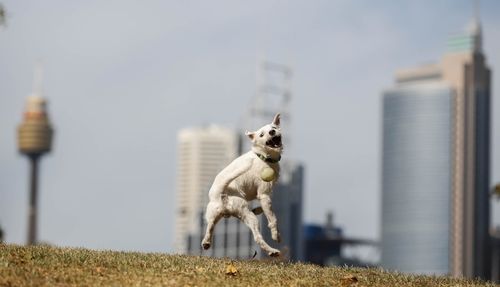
{"points": [[477, 5], [38, 80]]}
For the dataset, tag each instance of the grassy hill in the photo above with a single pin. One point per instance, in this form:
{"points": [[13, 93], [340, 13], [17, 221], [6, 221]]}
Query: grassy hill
{"points": [[50, 266]]}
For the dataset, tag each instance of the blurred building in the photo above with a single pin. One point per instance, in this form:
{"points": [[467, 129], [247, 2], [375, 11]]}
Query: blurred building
{"points": [[416, 177], [202, 153], [435, 166], [323, 245], [495, 255]]}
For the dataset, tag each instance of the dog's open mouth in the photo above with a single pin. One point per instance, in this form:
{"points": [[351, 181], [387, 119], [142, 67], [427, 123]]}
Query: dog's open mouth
{"points": [[274, 142]]}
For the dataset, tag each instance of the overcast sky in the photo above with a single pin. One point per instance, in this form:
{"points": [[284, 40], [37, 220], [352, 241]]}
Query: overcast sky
{"points": [[122, 77]]}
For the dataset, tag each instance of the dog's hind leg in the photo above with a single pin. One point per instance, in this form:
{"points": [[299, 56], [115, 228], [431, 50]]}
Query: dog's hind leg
{"points": [[252, 222], [212, 216]]}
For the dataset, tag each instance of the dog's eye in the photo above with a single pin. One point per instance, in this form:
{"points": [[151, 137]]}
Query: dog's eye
{"points": [[261, 134]]}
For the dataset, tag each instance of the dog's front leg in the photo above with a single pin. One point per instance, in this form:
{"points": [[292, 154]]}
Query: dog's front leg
{"points": [[265, 201], [252, 222]]}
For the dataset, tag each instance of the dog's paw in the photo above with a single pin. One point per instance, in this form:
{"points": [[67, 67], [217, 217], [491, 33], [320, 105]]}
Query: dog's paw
{"points": [[205, 245], [274, 253]]}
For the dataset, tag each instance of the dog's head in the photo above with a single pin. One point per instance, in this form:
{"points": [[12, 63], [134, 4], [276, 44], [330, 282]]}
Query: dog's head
{"points": [[268, 137]]}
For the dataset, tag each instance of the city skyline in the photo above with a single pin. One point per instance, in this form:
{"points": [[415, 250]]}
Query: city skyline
{"points": [[122, 79]]}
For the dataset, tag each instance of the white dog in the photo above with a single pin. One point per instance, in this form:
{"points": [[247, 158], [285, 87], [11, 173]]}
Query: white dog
{"points": [[250, 176]]}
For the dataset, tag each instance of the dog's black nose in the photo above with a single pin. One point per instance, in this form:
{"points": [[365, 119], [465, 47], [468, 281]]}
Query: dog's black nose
{"points": [[272, 132]]}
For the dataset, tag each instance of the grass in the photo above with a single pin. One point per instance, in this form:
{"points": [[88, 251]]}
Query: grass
{"points": [[51, 266]]}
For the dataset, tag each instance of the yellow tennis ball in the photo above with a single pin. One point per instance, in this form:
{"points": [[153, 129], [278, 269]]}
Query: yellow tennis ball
{"points": [[268, 174]]}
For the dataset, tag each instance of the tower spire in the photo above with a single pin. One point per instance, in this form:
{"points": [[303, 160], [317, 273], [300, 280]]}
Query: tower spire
{"points": [[38, 79], [478, 37], [477, 11], [474, 28]]}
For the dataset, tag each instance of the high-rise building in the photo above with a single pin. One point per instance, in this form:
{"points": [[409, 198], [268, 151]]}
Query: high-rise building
{"points": [[435, 166], [416, 177], [202, 153]]}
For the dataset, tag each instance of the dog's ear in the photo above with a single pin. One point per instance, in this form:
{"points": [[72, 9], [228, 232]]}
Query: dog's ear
{"points": [[276, 120], [251, 135]]}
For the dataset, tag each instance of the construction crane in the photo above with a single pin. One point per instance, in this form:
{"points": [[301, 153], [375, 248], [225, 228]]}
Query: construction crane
{"points": [[273, 95]]}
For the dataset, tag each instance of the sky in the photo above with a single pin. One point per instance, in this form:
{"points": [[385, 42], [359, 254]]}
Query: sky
{"points": [[123, 77]]}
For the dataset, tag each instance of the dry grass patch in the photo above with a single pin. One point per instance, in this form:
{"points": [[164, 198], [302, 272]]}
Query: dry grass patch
{"points": [[50, 266]]}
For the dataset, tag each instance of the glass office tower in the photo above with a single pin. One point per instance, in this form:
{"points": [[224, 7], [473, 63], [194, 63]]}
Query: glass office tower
{"points": [[417, 162]]}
